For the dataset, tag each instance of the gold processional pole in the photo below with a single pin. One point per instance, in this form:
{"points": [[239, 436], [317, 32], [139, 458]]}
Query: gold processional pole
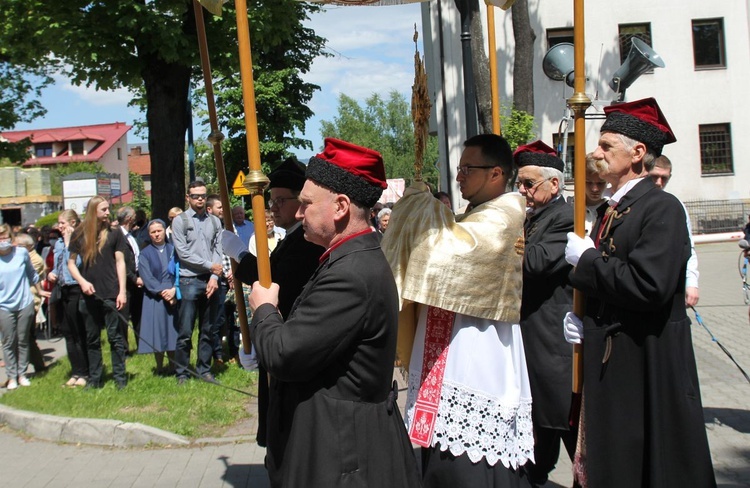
{"points": [[496, 129], [578, 104], [215, 138], [492, 50]]}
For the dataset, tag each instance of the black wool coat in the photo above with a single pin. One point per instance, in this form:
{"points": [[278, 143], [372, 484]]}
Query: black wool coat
{"points": [[643, 413], [293, 261], [547, 297], [333, 419]]}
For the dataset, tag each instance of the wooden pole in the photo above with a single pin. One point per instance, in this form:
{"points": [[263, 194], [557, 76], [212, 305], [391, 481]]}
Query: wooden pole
{"points": [[579, 103], [495, 89], [255, 181], [215, 137]]}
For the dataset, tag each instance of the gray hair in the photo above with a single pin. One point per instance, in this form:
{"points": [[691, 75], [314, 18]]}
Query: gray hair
{"points": [[629, 142], [549, 173], [383, 213], [125, 213], [24, 240]]}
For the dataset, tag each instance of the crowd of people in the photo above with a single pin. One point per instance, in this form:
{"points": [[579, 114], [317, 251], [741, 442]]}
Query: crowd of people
{"points": [[475, 307]]}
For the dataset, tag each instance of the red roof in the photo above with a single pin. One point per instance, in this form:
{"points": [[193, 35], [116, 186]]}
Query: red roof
{"points": [[138, 162], [106, 135]]}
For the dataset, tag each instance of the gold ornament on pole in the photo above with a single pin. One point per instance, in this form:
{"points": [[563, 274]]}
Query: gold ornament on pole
{"points": [[420, 109]]}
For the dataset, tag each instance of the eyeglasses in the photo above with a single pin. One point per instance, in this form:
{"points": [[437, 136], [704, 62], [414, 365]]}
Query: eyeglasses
{"points": [[196, 196], [279, 202], [465, 170], [529, 184]]}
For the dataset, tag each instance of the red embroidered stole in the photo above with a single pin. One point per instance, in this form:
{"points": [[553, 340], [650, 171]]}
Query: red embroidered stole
{"points": [[436, 341]]}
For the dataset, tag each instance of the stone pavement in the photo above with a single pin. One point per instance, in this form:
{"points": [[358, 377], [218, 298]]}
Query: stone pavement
{"points": [[726, 398]]}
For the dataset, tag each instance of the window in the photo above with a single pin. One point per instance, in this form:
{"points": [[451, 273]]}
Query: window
{"points": [[708, 44], [119, 154], [627, 32], [556, 36], [716, 149], [43, 150], [570, 153], [76, 147]]}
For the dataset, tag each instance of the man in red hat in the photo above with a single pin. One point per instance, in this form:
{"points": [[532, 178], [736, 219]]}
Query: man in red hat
{"points": [[642, 422], [547, 297], [332, 417]]}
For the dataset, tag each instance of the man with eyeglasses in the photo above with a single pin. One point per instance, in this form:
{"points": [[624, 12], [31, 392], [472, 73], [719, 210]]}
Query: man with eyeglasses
{"points": [[547, 297], [459, 278], [195, 235], [293, 260]]}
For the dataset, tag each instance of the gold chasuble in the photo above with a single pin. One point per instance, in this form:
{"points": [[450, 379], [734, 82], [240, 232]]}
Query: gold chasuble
{"points": [[432, 254]]}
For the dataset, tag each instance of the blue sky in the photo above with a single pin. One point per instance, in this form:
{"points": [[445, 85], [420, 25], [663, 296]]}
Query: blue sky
{"points": [[373, 53]]}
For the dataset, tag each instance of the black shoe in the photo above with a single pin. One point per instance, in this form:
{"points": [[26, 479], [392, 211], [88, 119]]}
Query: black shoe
{"points": [[181, 380], [92, 386], [208, 377]]}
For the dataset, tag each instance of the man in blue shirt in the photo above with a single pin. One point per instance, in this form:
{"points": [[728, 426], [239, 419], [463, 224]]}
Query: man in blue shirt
{"points": [[195, 235], [244, 228]]}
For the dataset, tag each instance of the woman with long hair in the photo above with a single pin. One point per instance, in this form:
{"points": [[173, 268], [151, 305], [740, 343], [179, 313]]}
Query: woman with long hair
{"points": [[73, 322], [102, 280], [156, 265]]}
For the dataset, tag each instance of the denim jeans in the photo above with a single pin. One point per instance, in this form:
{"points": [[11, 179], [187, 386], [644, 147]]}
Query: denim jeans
{"points": [[195, 303], [96, 314], [16, 330]]}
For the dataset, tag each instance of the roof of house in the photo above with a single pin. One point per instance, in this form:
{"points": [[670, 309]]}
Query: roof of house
{"points": [[138, 162], [106, 135]]}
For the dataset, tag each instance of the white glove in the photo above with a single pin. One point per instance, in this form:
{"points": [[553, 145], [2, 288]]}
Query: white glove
{"points": [[232, 245], [572, 328], [576, 247], [248, 361]]}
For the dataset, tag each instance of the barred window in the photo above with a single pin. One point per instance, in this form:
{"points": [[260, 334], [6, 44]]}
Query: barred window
{"points": [[627, 32], [556, 36], [708, 44], [716, 149]]}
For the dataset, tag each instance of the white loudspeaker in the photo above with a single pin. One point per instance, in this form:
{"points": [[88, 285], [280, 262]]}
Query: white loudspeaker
{"points": [[640, 59], [559, 62]]}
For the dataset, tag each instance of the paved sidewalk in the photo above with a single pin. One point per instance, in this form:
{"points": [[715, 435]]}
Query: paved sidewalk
{"points": [[726, 400]]}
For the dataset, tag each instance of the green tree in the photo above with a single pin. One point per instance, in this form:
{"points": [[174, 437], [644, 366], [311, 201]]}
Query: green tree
{"points": [[383, 125], [518, 127], [18, 103], [57, 173], [140, 197], [151, 48]]}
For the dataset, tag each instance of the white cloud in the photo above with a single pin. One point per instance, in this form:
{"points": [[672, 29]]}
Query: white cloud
{"points": [[92, 95]]}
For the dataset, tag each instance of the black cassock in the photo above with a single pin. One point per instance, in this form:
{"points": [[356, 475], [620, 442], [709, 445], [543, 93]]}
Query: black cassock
{"points": [[643, 413], [333, 419], [292, 263]]}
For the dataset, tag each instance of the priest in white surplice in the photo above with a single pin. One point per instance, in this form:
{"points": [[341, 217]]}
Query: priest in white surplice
{"points": [[460, 281]]}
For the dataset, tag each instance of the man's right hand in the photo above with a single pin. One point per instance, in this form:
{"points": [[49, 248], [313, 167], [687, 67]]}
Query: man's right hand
{"points": [[232, 245]]}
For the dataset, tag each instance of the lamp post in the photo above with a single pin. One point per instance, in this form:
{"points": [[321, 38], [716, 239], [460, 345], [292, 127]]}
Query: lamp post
{"points": [[470, 96]]}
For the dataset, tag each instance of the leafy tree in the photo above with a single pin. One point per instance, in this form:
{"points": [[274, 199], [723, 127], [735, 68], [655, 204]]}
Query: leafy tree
{"points": [[385, 126], [151, 48], [57, 173], [18, 103], [140, 200], [518, 127]]}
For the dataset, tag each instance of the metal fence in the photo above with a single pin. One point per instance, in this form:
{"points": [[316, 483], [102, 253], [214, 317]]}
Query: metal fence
{"points": [[715, 216]]}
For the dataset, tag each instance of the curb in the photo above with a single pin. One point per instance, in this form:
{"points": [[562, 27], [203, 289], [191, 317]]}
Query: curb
{"points": [[101, 432]]}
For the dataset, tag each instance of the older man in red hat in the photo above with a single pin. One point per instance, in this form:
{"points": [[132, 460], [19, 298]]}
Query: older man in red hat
{"points": [[547, 297], [642, 422], [332, 417]]}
